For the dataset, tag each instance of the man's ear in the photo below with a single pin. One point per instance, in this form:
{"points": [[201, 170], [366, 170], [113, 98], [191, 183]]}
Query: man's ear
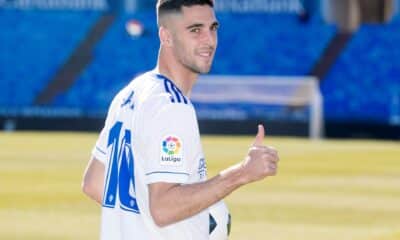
{"points": [[165, 36]]}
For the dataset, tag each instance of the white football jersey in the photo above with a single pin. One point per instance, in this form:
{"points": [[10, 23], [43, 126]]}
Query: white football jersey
{"points": [[150, 135]]}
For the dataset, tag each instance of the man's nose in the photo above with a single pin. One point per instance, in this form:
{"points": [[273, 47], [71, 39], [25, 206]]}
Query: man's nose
{"points": [[210, 37]]}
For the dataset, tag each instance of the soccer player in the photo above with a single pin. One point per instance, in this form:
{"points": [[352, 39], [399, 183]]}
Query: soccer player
{"points": [[148, 169]]}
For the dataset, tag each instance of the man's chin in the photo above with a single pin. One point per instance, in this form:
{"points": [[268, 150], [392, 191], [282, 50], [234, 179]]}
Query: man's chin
{"points": [[205, 70], [201, 70]]}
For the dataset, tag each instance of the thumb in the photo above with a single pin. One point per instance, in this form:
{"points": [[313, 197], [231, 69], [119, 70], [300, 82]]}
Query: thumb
{"points": [[260, 136]]}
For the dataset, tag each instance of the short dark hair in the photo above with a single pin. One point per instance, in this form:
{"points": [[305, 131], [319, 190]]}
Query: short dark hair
{"points": [[175, 6]]}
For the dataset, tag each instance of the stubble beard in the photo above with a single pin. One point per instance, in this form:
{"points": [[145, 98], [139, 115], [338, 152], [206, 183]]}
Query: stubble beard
{"points": [[198, 70], [195, 68]]}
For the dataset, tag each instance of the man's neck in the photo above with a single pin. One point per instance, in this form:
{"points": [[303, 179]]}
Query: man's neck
{"points": [[183, 78]]}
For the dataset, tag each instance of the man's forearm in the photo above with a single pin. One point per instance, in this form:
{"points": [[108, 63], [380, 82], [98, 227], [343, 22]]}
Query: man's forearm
{"points": [[92, 184], [172, 202]]}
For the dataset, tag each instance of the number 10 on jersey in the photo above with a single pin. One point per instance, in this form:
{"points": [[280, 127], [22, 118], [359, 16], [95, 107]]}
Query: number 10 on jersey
{"points": [[120, 177]]}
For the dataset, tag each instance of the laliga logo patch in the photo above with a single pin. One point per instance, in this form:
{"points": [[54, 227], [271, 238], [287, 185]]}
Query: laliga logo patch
{"points": [[171, 145], [171, 151]]}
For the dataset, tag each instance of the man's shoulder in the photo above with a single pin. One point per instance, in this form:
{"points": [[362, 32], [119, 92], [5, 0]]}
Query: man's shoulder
{"points": [[142, 85], [156, 88], [151, 94]]}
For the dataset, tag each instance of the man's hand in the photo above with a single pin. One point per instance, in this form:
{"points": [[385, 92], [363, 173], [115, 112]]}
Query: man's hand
{"points": [[261, 161]]}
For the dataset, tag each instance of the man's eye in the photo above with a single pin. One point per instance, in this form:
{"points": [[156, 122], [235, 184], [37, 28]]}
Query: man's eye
{"points": [[214, 28], [195, 30]]}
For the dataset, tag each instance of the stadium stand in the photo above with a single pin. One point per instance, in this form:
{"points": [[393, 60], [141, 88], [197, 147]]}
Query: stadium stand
{"points": [[363, 84], [117, 58], [283, 46], [34, 44]]}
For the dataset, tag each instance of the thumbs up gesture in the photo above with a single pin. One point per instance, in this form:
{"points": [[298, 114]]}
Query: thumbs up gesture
{"points": [[261, 161], [259, 140]]}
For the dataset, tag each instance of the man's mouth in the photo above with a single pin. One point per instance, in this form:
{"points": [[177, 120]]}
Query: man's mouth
{"points": [[205, 54]]}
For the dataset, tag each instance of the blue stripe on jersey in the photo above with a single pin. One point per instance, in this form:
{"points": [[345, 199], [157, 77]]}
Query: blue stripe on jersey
{"points": [[179, 173], [169, 85], [167, 89], [178, 92], [177, 95]]}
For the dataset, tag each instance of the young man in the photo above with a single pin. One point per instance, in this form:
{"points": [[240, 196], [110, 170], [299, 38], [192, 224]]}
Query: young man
{"points": [[148, 169]]}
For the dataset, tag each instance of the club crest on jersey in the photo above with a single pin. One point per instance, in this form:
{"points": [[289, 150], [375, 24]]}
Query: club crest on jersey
{"points": [[171, 151]]}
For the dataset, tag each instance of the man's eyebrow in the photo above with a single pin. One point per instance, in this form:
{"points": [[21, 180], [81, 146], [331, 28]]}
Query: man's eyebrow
{"points": [[195, 25]]}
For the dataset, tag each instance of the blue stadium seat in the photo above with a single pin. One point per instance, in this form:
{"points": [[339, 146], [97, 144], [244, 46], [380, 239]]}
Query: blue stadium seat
{"points": [[364, 81], [34, 44], [270, 44], [118, 57]]}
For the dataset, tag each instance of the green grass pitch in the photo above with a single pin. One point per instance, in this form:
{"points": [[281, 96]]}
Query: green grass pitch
{"points": [[324, 190]]}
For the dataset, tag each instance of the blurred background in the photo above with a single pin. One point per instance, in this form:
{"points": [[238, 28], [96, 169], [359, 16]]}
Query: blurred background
{"points": [[303, 67], [327, 70]]}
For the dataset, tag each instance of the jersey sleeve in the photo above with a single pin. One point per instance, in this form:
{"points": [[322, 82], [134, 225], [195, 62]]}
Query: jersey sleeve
{"points": [[168, 144], [99, 150]]}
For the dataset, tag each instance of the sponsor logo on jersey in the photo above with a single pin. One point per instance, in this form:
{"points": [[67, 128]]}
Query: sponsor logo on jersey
{"points": [[202, 169], [128, 101], [171, 151]]}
